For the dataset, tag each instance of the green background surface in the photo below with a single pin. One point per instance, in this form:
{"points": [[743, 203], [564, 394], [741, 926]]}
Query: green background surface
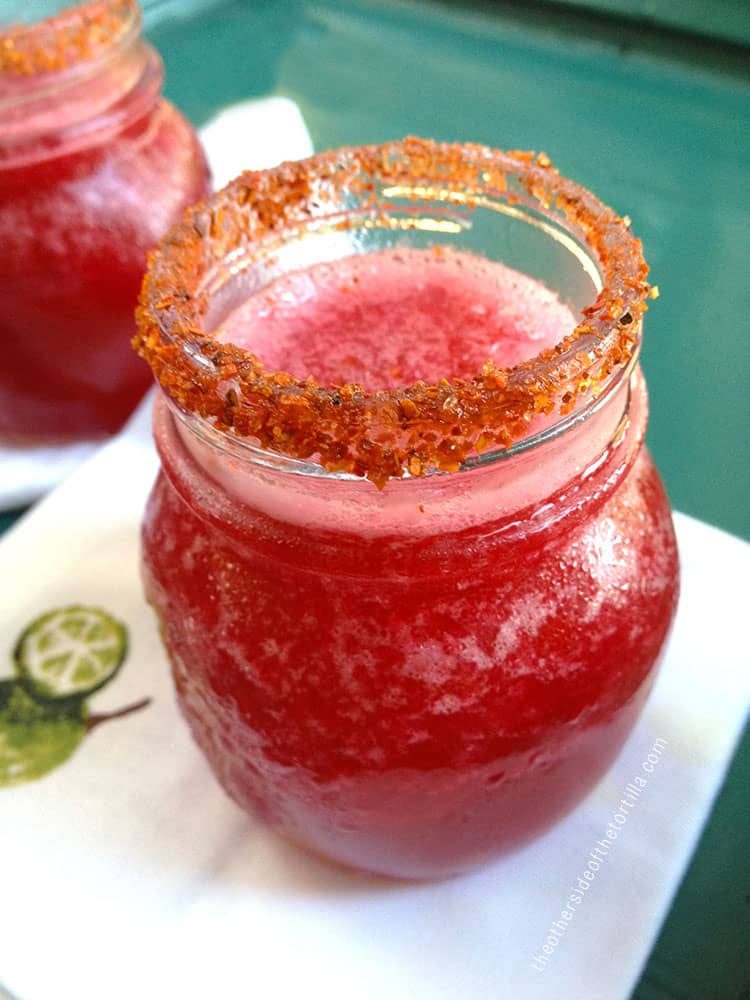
{"points": [[657, 123], [726, 19]]}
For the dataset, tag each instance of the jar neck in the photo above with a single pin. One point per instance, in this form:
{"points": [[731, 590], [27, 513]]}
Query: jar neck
{"points": [[512, 497], [50, 113]]}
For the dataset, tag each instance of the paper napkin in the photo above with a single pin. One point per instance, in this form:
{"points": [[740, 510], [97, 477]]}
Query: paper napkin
{"points": [[126, 873]]}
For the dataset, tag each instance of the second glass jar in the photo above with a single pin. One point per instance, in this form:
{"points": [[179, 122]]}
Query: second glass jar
{"points": [[94, 166]]}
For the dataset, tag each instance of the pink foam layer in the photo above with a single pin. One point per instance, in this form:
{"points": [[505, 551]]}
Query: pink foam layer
{"points": [[391, 318]]}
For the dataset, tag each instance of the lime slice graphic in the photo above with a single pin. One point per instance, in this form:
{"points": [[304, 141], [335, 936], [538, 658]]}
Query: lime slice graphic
{"points": [[70, 652], [35, 737]]}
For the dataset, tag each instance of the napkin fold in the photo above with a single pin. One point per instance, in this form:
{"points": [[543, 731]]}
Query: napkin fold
{"points": [[126, 872], [250, 135]]}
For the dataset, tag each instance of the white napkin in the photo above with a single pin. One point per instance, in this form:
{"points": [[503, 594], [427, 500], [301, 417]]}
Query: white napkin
{"points": [[250, 135], [126, 873], [28, 472]]}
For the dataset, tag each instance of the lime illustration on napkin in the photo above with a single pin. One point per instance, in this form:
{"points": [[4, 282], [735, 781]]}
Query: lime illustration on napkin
{"points": [[60, 660]]}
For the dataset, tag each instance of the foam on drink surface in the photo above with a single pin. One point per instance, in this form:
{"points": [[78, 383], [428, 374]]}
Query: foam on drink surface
{"points": [[383, 320], [394, 317]]}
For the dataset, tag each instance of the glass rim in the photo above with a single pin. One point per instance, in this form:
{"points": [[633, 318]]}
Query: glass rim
{"points": [[413, 430], [76, 36], [244, 450]]}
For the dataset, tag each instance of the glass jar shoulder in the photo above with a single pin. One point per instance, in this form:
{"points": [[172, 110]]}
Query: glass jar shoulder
{"points": [[132, 184], [424, 527]]}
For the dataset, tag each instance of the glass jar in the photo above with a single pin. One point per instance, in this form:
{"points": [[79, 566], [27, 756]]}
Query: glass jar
{"points": [[414, 678], [94, 167]]}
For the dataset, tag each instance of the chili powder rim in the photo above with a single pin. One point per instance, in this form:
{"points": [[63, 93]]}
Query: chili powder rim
{"points": [[74, 36], [413, 429]]}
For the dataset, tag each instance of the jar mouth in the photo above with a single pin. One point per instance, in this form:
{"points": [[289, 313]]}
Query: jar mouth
{"points": [[244, 451], [73, 37], [416, 429]]}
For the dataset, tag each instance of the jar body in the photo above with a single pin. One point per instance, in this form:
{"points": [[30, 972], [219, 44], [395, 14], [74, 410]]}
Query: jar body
{"points": [[81, 204], [413, 704]]}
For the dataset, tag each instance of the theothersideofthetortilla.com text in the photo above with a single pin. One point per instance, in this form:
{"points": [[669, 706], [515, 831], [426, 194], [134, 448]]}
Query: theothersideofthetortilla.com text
{"points": [[597, 856]]}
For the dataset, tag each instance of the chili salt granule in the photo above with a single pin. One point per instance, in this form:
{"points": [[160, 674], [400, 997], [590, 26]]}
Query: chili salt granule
{"points": [[75, 35]]}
